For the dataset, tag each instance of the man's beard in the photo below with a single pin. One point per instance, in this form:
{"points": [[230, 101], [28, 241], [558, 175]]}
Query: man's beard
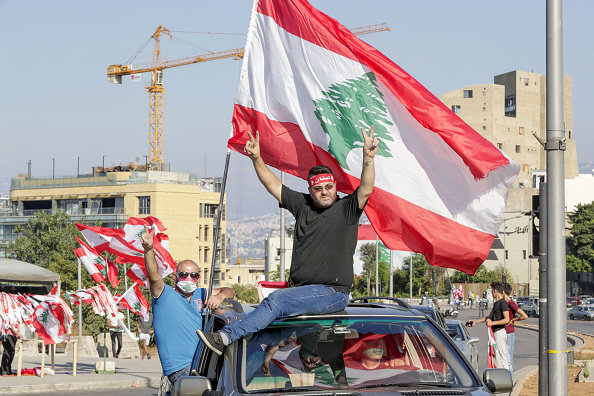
{"points": [[324, 204]]}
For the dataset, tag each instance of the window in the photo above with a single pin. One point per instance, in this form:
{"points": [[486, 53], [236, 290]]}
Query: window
{"points": [[467, 93], [210, 211], [199, 237], [526, 81], [206, 256], [524, 168], [144, 205], [484, 93], [521, 130], [510, 105], [484, 127], [506, 255], [484, 109], [524, 254], [456, 109], [500, 146], [518, 148], [199, 254], [205, 233]]}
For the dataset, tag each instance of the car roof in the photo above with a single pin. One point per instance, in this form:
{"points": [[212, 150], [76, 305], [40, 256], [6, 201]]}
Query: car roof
{"points": [[453, 321], [354, 309]]}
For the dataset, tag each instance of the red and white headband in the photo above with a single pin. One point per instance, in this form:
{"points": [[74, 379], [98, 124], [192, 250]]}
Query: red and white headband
{"points": [[318, 179]]}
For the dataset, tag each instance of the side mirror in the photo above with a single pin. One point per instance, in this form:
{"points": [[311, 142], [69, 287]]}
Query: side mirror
{"points": [[498, 380], [473, 340], [187, 386]]}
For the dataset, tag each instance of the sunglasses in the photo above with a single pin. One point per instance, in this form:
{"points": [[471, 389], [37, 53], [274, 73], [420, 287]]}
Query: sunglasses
{"points": [[327, 187], [193, 275]]}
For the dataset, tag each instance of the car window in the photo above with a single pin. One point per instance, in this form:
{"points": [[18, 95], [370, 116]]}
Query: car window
{"points": [[352, 353], [459, 336]]}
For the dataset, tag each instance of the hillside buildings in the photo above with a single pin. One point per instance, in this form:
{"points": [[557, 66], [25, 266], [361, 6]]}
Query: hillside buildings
{"points": [[185, 204]]}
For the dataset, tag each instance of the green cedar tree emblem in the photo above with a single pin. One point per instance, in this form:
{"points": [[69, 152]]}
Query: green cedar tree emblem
{"points": [[103, 272], [348, 106], [43, 317], [140, 233], [137, 307], [98, 260], [143, 277]]}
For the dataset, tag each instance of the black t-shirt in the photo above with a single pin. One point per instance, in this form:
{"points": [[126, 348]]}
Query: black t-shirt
{"points": [[325, 240], [499, 308]]}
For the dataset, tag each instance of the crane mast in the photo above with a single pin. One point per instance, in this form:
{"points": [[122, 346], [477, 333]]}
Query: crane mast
{"points": [[156, 89]]}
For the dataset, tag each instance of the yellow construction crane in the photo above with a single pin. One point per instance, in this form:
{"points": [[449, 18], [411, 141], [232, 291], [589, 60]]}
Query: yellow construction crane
{"points": [[156, 90]]}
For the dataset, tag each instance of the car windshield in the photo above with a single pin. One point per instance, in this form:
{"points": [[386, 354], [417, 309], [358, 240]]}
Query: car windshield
{"points": [[588, 309], [349, 353]]}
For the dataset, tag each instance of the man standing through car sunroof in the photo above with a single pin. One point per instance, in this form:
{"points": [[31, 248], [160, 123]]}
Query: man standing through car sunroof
{"points": [[326, 228]]}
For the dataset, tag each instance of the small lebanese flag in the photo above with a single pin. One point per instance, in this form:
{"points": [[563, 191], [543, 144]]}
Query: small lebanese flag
{"points": [[98, 237], [135, 301], [91, 260], [309, 85], [268, 287], [48, 320], [137, 274], [127, 253], [492, 349]]}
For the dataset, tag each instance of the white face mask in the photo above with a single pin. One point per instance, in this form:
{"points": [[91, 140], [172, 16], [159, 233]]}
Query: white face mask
{"points": [[186, 286]]}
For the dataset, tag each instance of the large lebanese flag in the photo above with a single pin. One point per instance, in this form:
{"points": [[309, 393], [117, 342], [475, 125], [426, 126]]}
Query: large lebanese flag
{"points": [[308, 85]]}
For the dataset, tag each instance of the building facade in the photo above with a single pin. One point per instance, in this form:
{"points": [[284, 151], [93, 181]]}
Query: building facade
{"points": [[186, 205], [509, 113]]}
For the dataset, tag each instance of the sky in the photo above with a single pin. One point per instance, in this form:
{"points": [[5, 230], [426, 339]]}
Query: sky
{"points": [[57, 103]]}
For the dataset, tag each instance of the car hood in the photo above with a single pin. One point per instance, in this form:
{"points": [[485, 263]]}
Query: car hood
{"points": [[414, 390]]}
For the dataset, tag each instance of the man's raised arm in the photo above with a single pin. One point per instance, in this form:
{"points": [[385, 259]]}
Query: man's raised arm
{"points": [[370, 145], [267, 178], [152, 271]]}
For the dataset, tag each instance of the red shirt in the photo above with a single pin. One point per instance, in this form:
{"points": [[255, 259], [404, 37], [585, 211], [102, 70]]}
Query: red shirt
{"points": [[513, 308]]}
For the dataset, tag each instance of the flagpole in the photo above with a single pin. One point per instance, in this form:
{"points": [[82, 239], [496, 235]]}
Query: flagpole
{"points": [[376, 265], [217, 230], [79, 305], [282, 249], [410, 281], [391, 273], [126, 286]]}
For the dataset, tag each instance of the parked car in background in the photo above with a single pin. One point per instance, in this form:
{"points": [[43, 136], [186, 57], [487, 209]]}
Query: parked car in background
{"points": [[366, 349], [529, 305], [464, 342], [581, 312], [572, 302], [433, 313], [589, 301]]}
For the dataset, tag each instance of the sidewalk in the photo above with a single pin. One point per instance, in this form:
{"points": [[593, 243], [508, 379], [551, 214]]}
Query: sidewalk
{"points": [[129, 373]]}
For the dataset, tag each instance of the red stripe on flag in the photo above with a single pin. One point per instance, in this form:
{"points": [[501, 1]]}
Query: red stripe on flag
{"points": [[366, 232], [301, 19], [400, 224]]}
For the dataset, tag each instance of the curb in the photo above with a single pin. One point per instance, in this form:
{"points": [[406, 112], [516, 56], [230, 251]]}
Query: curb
{"points": [[523, 374], [78, 386]]}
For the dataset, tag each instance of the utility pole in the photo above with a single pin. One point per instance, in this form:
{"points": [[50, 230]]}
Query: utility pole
{"points": [[78, 167], [29, 169], [543, 356], [391, 273], [555, 147], [53, 168]]}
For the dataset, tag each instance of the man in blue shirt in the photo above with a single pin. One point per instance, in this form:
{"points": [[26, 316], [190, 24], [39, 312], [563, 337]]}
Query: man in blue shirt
{"points": [[177, 313]]}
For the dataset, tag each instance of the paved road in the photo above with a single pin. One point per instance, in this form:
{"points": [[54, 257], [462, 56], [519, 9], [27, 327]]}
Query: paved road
{"points": [[526, 345], [580, 326]]}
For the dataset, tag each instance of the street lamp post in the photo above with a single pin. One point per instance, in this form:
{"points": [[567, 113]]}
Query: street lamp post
{"points": [[78, 167], [53, 168], [104, 162]]}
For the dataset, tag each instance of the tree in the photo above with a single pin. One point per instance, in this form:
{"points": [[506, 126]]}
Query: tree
{"points": [[48, 240], [580, 243], [245, 293], [367, 251], [422, 276], [482, 275]]}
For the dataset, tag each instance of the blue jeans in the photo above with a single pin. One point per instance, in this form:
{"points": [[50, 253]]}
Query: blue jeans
{"points": [[310, 299], [511, 337], [173, 377]]}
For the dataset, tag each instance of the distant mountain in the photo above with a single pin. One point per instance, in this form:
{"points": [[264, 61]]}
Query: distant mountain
{"points": [[585, 167], [4, 185], [246, 236]]}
